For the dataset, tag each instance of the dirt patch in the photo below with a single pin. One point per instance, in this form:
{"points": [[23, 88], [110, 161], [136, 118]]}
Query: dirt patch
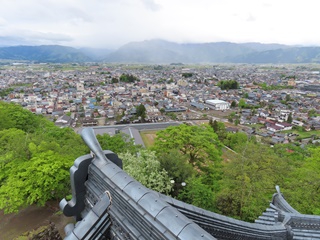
{"points": [[31, 218], [148, 137]]}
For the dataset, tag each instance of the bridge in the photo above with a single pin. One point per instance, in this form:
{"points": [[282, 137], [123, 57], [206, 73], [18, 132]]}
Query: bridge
{"points": [[108, 204]]}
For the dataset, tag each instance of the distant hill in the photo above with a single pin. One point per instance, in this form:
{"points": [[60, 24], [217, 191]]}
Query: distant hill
{"points": [[46, 53], [288, 55], [160, 51]]}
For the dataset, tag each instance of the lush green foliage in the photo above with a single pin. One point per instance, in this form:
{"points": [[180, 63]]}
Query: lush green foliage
{"points": [[145, 168], [5, 92], [114, 80], [198, 193], [191, 154], [233, 104], [11, 116], [245, 186], [312, 113], [289, 120], [249, 180], [178, 168], [187, 75], [36, 180], [141, 112], [199, 143], [235, 140], [35, 158], [128, 78], [119, 143], [228, 84], [176, 165], [242, 103], [219, 128], [303, 190], [172, 115], [266, 87]]}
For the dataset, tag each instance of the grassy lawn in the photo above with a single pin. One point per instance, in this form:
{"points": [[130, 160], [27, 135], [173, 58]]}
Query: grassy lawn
{"points": [[303, 134], [22, 85], [228, 155], [256, 126], [148, 137], [308, 134]]}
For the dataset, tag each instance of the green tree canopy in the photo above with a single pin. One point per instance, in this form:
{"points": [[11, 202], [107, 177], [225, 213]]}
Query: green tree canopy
{"points": [[303, 191], [235, 140], [289, 120], [178, 168], [197, 193], [44, 176], [312, 113], [176, 165], [228, 84], [191, 154], [114, 80], [141, 111], [145, 168], [187, 75], [119, 143], [35, 158], [248, 181], [242, 103], [219, 128], [128, 78], [293, 154], [14, 145], [13, 116], [233, 104], [199, 143]]}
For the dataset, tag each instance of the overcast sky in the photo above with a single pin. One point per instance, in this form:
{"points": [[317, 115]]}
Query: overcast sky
{"points": [[112, 23]]}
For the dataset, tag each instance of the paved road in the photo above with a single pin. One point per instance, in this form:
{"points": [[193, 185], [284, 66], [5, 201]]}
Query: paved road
{"points": [[142, 126]]}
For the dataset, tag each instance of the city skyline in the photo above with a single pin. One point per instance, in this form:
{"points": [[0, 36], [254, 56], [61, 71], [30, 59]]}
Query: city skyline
{"points": [[111, 24]]}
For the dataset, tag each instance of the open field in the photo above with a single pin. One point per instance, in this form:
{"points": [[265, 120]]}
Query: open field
{"points": [[148, 137], [302, 134]]}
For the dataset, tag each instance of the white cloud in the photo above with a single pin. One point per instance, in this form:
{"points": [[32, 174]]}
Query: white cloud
{"points": [[151, 4], [3, 22], [109, 23]]}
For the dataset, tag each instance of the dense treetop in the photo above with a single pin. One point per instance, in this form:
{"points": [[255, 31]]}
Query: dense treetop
{"points": [[199, 144], [228, 84], [128, 78], [35, 158], [241, 185]]}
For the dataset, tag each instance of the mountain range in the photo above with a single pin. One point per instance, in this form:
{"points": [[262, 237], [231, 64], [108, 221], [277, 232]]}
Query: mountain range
{"points": [[164, 52]]}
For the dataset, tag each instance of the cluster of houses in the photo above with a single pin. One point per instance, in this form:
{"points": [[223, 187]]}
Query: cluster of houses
{"points": [[94, 95]]}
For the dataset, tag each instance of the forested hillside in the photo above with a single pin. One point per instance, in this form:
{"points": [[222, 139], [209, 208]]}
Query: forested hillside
{"points": [[190, 163], [45, 53], [35, 158], [240, 185], [159, 51]]}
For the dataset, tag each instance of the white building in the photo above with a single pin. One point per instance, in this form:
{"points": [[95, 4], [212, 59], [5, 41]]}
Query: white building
{"points": [[80, 86], [218, 104], [297, 123]]}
